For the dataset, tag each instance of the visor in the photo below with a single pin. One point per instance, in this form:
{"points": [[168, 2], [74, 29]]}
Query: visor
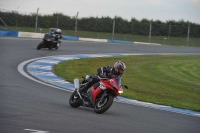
{"points": [[121, 72]]}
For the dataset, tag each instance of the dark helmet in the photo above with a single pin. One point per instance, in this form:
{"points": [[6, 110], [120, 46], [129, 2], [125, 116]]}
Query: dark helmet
{"points": [[119, 68]]}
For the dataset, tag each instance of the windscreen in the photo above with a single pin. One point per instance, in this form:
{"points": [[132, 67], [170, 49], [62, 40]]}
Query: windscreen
{"points": [[118, 80]]}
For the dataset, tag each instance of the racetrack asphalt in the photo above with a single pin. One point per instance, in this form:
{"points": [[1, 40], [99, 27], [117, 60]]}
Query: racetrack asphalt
{"points": [[27, 106]]}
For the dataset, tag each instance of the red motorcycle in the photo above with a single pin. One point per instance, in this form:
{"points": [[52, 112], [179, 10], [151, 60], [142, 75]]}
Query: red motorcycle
{"points": [[99, 96]]}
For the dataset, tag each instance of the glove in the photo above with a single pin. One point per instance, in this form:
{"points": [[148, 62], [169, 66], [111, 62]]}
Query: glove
{"points": [[110, 75]]}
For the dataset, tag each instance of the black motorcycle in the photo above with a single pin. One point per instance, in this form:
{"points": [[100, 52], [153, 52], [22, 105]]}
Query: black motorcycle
{"points": [[50, 41]]}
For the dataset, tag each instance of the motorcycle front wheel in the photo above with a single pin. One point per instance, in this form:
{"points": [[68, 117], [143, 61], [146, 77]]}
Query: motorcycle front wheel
{"points": [[41, 45], [56, 47], [103, 105], [75, 100]]}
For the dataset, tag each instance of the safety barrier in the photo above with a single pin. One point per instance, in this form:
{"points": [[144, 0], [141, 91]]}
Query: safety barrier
{"points": [[92, 40], [120, 41], [8, 33], [30, 35], [73, 38]]}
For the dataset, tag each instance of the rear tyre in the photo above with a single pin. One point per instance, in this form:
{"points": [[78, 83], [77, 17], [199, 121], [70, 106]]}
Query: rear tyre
{"points": [[75, 100], [102, 106]]}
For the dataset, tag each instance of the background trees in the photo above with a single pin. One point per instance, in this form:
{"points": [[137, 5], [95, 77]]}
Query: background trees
{"points": [[102, 24]]}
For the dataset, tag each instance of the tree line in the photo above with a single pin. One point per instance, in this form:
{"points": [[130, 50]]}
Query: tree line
{"points": [[103, 24]]}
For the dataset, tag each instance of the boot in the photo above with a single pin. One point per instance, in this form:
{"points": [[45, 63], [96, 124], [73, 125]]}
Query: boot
{"points": [[84, 88]]}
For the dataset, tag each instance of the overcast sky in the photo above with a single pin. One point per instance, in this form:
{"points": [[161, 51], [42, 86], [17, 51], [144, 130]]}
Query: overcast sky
{"points": [[188, 10]]}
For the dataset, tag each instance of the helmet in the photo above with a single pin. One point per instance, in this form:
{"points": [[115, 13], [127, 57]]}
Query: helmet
{"points": [[119, 68], [58, 31]]}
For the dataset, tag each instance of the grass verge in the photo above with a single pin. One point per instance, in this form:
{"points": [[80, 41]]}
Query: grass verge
{"points": [[172, 80]]}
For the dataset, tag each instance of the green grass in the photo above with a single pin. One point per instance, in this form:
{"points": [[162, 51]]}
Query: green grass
{"points": [[172, 80], [175, 41]]}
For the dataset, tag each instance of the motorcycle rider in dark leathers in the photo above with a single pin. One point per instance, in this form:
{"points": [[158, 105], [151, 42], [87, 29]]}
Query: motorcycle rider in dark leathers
{"points": [[57, 35], [105, 72]]}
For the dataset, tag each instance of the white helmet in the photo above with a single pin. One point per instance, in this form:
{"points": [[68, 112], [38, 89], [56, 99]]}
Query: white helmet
{"points": [[119, 68], [58, 31]]}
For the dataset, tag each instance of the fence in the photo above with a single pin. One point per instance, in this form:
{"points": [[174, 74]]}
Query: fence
{"points": [[184, 34]]}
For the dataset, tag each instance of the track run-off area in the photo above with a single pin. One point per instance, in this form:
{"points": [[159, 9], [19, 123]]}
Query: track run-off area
{"points": [[40, 70], [29, 106]]}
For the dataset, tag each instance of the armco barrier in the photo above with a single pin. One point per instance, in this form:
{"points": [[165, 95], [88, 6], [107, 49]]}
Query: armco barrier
{"points": [[8, 33]]}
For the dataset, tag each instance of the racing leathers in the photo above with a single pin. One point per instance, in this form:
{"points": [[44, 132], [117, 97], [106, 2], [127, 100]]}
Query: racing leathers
{"points": [[105, 72]]}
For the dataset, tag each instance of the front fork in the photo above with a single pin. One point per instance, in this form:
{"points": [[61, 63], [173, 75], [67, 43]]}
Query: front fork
{"points": [[77, 90], [77, 86]]}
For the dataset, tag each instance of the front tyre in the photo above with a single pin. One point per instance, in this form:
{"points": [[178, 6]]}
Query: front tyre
{"points": [[102, 106], [75, 100], [41, 45], [50, 48], [56, 47]]}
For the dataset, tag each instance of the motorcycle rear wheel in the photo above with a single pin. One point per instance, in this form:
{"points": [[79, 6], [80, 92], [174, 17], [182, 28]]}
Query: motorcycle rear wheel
{"points": [[102, 106], [75, 100]]}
